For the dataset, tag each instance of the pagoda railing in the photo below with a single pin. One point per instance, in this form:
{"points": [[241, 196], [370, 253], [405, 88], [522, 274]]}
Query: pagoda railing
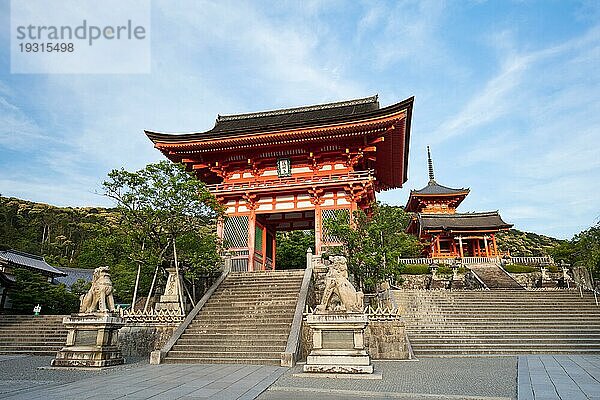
{"points": [[475, 260], [293, 181]]}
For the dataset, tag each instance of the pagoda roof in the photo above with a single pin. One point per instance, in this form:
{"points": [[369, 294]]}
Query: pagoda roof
{"points": [[434, 188], [462, 221]]}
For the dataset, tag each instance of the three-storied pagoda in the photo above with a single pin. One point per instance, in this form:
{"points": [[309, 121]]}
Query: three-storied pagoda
{"points": [[291, 169], [450, 234]]}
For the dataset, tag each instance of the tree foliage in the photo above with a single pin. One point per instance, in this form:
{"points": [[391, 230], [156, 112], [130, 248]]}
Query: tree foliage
{"points": [[375, 243], [291, 249], [32, 288], [582, 250], [163, 210]]}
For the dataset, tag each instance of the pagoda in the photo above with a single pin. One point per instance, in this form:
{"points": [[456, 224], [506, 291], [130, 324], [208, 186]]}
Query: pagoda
{"points": [[449, 234], [291, 169]]}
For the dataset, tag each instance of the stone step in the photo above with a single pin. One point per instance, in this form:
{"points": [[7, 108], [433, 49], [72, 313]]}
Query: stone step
{"points": [[223, 360], [244, 319], [218, 330], [493, 341], [225, 339], [503, 352], [247, 320], [503, 346], [242, 355], [435, 331], [216, 348], [41, 351]]}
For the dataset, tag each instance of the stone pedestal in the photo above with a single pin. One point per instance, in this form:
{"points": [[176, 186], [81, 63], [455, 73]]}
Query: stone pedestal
{"points": [[91, 341], [170, 299], [338, 344]]}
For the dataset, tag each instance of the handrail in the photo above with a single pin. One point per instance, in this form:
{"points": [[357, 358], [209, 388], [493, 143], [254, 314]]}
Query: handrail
{"points": [[289, 356], [157, 356], [479, 280], [291, 181]]}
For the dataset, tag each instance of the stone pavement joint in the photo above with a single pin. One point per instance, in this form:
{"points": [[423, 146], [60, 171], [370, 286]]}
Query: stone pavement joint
{"points": [[558, 377]]}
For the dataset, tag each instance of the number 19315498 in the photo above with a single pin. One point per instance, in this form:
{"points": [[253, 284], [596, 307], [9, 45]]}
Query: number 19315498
{"points": [[46, 47]]}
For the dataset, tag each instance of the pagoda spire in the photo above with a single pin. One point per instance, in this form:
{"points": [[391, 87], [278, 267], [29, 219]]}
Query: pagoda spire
{"points": [[430, 164]]}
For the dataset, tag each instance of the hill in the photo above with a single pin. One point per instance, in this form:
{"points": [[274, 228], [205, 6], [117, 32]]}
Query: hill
{"points": [[65, 236], [526, 244]]}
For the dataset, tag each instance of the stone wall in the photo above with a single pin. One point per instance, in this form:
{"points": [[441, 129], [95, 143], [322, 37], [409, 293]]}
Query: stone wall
{"points": [[139, 340], [416, 281], [384, 340]]}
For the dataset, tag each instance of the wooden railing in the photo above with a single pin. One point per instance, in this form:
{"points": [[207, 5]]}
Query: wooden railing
{"points": [[290, 181]]}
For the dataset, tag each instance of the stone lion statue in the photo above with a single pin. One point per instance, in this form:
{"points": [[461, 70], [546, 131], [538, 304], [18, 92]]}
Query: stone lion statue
{"points": [[336, 282], [100, 296]]}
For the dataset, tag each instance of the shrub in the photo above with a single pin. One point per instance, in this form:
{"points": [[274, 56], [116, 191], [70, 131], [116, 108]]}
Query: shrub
{"points": [[444, 270], [520, 269], [462, 270], [552, 268], [415, 269]]}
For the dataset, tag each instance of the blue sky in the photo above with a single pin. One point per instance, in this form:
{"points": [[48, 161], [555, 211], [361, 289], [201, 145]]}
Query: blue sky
{"points": [[507, 94]]}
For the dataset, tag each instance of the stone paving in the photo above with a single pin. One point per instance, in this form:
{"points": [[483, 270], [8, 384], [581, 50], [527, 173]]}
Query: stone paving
{"points": [[20, 380], [564, 377], [481, 378]]}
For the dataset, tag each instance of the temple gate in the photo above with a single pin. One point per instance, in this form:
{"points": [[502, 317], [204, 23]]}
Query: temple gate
{"points": [[294, 168]]}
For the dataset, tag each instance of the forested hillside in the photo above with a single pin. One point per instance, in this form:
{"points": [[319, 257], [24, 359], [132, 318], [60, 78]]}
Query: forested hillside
{"points": [[72, 237], [526, 244], [66, 236]]}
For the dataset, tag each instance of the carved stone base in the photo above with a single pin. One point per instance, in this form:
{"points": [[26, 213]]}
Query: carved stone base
{"points": [[91, 341], [338, 344]]}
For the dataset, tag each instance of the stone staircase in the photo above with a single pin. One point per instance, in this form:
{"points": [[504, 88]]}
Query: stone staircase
{"points": [[459, 323], [247, 320], [28, 334], [494, 277]]}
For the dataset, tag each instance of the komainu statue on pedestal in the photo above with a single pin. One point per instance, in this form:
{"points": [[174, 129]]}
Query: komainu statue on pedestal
{"points": [[100, 296], [336, 282]]}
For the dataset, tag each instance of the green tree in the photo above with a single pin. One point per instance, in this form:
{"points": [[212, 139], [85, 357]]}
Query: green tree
{"points": [[166, 214], [374, 243], [291, 249], [32, 288], [583, 249]]}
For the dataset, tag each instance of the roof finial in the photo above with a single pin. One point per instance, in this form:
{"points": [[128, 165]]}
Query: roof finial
{"points": [[430, 164]]}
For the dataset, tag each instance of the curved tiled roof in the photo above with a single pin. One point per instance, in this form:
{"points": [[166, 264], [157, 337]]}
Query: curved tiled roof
{"points": [[288, 118], [21, 259], [434, 188], [73, 274], [462, 221]]}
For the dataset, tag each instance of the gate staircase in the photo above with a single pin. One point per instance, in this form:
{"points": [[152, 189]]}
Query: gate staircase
{"points": [[28, 334], [247, 320], [459, 323], [494, 277]]}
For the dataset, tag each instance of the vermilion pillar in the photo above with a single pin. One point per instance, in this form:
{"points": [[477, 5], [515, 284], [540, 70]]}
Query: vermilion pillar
{"points": [[251, 241]]}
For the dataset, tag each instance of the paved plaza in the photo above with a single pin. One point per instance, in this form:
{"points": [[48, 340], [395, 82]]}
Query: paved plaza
{"points": [[478, 378]]}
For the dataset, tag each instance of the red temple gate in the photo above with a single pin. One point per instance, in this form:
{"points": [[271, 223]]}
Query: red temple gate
{"points": [[292, 169]]}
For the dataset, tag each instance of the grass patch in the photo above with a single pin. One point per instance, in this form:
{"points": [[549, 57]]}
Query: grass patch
{"points": [[415, 269], [520, 269]]}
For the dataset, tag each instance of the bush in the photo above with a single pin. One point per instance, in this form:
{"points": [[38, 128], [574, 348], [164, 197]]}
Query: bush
{"points": [[520, 269], [552, 268], [444, 270], [415, 269], [32, 288]]}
